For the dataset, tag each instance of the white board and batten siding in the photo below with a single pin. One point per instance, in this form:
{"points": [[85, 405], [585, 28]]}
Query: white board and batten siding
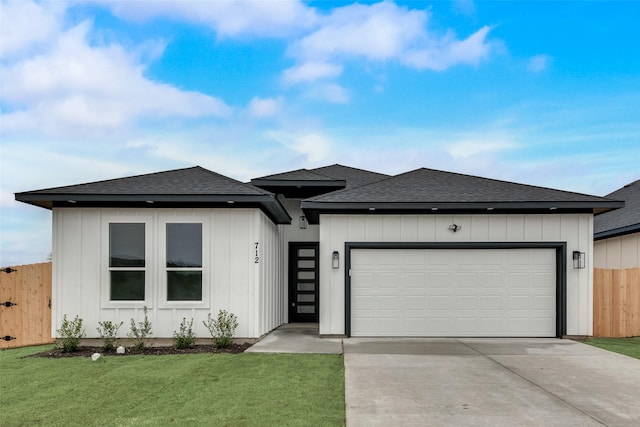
{"points": [[242, 272], [617, 253], [574, 229]]}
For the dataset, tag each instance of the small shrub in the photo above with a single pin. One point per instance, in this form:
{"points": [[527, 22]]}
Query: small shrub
{"points": [[222, 328], [185, 337], [70, 334], [140, 332], [108, 331]]}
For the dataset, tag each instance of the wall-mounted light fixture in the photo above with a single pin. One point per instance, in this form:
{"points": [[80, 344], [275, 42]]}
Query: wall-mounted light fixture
{"points": [[303, 222], [578, 259], [455, 227], [335, 259]]}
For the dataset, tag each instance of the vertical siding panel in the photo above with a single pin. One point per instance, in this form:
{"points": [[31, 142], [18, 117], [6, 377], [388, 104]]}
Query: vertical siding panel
{"points": [[426, 228], [373, 228], [391, 228], [357, 228], [90, 268], [551, 227], [409, 228], [328, 283], [339, 229], [515, 228], [533, 228], [498, 228], [479, 226]]}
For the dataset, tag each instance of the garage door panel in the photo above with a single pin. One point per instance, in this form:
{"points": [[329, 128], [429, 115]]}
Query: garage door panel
{"points": [[453, 292]]}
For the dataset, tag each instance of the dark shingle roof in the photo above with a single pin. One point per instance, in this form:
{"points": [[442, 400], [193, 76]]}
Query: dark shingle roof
{"points": [[427, 189], [355, 177], [303, 183], [296, 175], [194, 180], [193, 186], [621, 221]]}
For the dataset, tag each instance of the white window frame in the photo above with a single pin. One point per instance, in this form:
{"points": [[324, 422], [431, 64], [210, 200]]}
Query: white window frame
{"points": [[149, 264], [162, 262]]}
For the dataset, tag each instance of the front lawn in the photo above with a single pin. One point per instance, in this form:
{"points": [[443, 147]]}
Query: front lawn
{"points": [[194, 389], [627, 346]]}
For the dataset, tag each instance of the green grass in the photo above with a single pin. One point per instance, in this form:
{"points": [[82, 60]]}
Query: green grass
{"points": [[183, 390], [626, 346]]}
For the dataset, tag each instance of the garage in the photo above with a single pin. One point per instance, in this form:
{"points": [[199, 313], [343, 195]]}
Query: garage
{"points": [[453, 292]]}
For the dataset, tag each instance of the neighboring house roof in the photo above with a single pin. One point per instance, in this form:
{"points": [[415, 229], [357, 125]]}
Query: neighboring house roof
{"points": [[621, 221], [193, 186], [433, 190], [302, 183]]}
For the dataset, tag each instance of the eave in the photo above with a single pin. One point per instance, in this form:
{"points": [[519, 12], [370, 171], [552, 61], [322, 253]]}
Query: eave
{"points": [[268, 203], [313, 210], [617, 232]]}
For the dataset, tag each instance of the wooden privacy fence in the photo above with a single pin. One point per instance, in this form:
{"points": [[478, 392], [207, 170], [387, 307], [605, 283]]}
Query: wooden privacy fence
{"points": [[616, 302], [25, 305]]}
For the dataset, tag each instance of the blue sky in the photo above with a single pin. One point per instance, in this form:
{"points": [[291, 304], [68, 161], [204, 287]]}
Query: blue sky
{"points": [[543, 93]]}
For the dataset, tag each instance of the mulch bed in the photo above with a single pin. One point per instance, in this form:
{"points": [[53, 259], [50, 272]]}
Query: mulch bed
{"points": [[147, 351]]}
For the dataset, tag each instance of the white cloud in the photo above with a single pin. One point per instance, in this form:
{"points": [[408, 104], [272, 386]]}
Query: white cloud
{"points": [[329, 92], [264, 107], [538, 63], [313, 146], [442, 54], [25, 23], [229, 18], [381, 32], [310, 71], [73, 86], [474, 146]]}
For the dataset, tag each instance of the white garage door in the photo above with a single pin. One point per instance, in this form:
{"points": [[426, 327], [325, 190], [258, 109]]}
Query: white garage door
{"points": [[453, 292]]}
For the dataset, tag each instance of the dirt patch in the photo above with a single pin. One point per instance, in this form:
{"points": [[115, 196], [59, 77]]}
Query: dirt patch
{"points": [[147, 351]]}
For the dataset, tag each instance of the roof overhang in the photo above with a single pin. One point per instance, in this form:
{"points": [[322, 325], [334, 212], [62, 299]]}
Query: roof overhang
{"points": [[313, 210], [268, 203], [616, 232], [299, 188]]}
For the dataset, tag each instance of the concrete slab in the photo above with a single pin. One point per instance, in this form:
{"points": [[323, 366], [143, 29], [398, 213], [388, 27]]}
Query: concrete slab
{"points": [[296, 338], [488, 383]]}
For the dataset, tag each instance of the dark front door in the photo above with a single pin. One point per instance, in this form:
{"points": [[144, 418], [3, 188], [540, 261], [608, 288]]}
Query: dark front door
{"points": [[303, 282]]}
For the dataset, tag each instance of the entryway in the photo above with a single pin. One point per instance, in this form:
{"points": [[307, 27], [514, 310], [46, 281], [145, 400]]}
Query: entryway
{"points": [[303, 282], [297, 338]]}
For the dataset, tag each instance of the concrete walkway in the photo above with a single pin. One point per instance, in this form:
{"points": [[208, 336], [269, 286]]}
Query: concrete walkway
{"points": [[488, 382], [297, 338]]}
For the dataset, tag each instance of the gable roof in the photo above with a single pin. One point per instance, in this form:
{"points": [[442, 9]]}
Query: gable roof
{"points": [[301, 183], [428, 190], [621, 221], [195, 186]]}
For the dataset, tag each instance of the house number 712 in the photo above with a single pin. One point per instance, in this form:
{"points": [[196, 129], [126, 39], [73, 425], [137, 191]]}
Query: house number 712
{"points": [[256, 260]]}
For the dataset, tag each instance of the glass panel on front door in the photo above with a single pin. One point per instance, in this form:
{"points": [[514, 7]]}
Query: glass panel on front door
{"points": [[303, 282]]}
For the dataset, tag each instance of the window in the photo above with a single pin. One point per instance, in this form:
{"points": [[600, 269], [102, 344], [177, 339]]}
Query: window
{"points": [[184, 261], [127, 261]]}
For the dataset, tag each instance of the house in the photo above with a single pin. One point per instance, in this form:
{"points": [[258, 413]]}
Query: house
{"points": [[617, 233], [423, 253]]}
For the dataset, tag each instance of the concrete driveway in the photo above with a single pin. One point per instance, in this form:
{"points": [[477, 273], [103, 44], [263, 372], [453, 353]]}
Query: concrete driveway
{"points": [[488, 382]]}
